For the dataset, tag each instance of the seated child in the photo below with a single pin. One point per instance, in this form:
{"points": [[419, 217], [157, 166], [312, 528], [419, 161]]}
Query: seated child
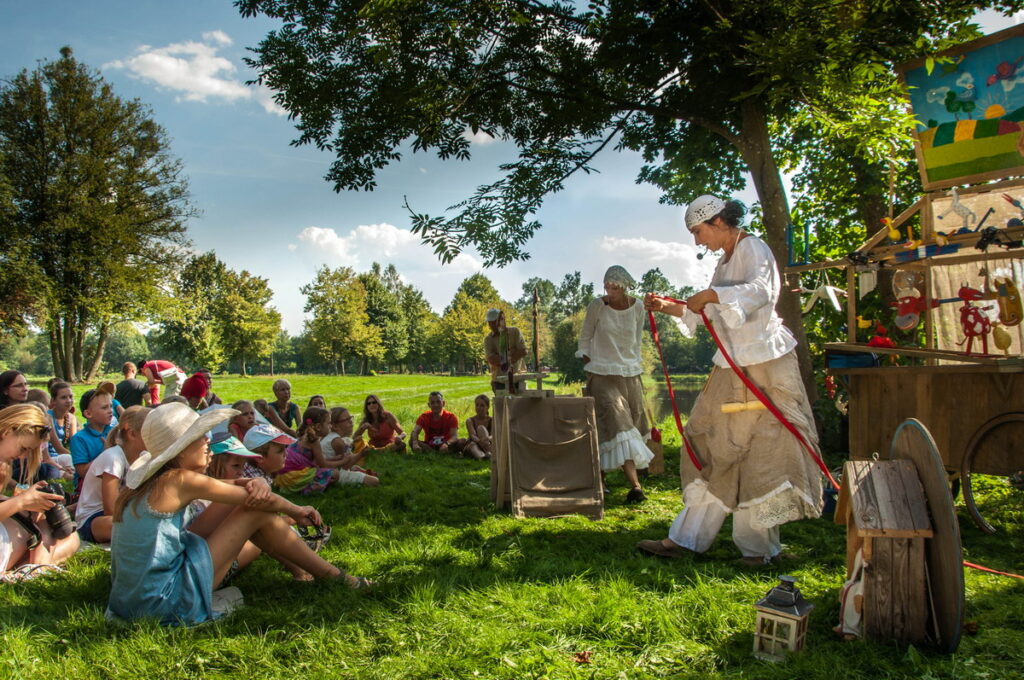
{"points": [[109, 388], [337, 445], [98, 409], [26, 539], [440, 427], [102, 482], [270, 443], [478, 429], [317, 400], [161, 570], [245, 419], [62, 420], [384, 432], [306, 470], [229, 460], [38, 395], [194, 390]]}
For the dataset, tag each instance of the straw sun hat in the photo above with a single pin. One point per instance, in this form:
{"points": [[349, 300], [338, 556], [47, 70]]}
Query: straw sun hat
{"points": [[167, 431]]}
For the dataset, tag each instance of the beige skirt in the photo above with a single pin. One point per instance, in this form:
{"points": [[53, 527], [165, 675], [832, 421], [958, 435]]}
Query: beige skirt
{"points": [[622, 424], [750, 460]]}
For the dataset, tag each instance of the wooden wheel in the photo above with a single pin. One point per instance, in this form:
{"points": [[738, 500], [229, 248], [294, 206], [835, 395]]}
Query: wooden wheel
{"points": [[989, 452]]}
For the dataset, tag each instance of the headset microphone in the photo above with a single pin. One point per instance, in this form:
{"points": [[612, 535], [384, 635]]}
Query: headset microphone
{"points": [[700, 256]]}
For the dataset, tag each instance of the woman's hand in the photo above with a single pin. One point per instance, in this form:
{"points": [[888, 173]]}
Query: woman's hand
{"points": [[34, 500], [307, 515], [697, 302], [586, 360], [653, 303], [259, 493]]}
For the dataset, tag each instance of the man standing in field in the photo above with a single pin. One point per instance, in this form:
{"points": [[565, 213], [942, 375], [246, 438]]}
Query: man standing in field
{"points": [[504, 349]]}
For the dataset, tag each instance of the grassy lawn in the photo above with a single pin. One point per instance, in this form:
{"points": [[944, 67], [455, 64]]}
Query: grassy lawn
{"points": [[469, 592]]}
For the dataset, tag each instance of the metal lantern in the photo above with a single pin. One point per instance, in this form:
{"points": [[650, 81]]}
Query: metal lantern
{"points": [[782, 617]]}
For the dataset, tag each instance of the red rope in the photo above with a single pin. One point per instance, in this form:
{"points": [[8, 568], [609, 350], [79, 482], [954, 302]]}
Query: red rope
{"points": [[671, 393], [768, 404]]}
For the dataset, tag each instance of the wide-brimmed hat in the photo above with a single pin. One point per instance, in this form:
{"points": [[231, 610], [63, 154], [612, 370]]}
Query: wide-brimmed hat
{"points": [[166, 432]]}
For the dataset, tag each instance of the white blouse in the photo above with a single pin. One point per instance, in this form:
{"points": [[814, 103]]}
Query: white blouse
{"points": [[612, 339], [748, 286]]}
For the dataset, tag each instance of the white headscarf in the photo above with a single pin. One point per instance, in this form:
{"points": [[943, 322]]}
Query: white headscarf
{"points": [[619, 276]]}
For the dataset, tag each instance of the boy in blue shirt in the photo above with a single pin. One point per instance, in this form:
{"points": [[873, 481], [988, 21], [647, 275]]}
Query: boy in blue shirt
{"points": [[98, 408]]}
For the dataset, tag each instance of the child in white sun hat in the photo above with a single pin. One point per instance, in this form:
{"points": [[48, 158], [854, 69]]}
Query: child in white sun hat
{"points": [[161, 570]]}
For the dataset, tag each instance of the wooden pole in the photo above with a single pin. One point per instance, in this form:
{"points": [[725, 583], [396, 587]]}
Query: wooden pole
{"points": [[536, 341]]}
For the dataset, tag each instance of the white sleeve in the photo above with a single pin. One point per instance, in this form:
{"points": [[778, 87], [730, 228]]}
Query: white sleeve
{"points": [[589, 328], [757, 270], [688, 323]]}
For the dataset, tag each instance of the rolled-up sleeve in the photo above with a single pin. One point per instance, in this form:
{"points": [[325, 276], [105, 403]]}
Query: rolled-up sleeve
{"points": [[737, 302], [589, 326]]}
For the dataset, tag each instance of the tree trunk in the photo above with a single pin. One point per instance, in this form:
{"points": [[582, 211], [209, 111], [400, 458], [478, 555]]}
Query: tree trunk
{"points": [[79, 346], [756, 149], [54, 334], [69, 350], [101, 344], [242, 357], [271, 363]]}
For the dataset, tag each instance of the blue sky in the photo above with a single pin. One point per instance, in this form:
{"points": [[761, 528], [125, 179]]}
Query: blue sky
{"points": [[264, 204]]}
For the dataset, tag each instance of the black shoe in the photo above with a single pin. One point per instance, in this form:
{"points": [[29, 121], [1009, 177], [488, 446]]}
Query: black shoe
{"points": [[636, 496]]}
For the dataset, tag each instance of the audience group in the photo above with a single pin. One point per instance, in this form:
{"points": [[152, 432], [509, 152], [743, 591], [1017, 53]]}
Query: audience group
{"points": [[183, 489]]}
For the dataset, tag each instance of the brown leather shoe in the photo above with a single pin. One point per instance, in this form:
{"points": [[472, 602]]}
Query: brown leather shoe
{"points": [[661, 550]]}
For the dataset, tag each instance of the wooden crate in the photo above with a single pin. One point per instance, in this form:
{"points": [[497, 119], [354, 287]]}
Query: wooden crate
{"points": [[883, 506]]}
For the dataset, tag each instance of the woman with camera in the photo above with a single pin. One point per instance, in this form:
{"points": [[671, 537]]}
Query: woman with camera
{"points": [[35, 527]]}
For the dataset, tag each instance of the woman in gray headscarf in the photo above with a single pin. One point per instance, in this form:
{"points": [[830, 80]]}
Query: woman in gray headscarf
{"points": [[610, 348]]}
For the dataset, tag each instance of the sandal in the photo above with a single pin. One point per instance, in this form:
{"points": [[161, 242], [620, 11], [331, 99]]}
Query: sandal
{"points": [[27, 572], [363, 583]]}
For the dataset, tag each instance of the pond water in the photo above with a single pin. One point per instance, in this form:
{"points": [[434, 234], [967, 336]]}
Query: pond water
{"points": [[686, 390]]}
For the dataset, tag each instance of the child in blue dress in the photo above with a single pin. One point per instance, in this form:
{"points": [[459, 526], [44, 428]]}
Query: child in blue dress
{"points": [[161, 570]]}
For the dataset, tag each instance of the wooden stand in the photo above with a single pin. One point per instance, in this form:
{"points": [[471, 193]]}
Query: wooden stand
{"points": [[883, 507]]}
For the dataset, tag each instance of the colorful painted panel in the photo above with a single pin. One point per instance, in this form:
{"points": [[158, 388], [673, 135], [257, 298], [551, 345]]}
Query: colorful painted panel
{"points": [[970, 111]]}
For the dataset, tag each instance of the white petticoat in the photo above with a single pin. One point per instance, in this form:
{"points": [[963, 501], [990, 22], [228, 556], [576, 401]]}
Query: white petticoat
{"points": [[627, 445]]}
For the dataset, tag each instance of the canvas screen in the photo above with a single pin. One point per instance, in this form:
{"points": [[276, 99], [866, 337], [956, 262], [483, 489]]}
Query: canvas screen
{"points": [[970, 110]]}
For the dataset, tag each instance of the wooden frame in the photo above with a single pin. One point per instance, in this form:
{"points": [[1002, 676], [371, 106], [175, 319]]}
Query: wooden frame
{"points": [[984, 77]]}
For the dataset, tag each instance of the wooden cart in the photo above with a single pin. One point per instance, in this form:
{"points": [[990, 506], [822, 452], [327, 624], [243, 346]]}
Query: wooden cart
{"points": [[972, 403]]}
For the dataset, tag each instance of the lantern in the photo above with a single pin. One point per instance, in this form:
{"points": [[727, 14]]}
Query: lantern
{"points": [[781, 621]]}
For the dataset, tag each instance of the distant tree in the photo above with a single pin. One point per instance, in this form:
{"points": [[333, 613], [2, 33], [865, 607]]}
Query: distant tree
{"points": [[385, 311], [546, 293], [566, 341], [124, 343], [421, 328], [339, 326], [189, 332], [100, 204], [571, 296], [247, 324]]}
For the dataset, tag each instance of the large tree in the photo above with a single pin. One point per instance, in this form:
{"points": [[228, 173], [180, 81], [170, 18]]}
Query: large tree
{"points": [[99, 204], [384, 310], [339, 326], [703, 89], [248, 326], [189, 332]]}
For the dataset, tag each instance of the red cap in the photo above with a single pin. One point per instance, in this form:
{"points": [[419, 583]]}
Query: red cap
{"points": [[195, 386]]}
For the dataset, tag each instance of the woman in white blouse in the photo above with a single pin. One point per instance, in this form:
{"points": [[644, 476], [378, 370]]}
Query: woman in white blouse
{"points": [[610, 348], [752, 466]]}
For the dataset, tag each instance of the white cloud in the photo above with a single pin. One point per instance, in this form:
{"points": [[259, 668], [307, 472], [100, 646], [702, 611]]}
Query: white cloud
{"points": [[384, 243], [195, 70], [480, 138], [677, 261], [218, 37]]}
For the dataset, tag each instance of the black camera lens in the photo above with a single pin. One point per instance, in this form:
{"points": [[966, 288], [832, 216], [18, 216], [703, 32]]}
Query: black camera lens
{"points": [[62, 524]]}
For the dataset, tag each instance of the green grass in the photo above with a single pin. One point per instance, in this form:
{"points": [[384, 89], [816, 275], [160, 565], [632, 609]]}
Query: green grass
{"points": [[470, 592]]}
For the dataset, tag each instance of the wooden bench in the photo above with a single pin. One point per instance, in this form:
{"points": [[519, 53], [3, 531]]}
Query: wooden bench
{"points": [[883, 506]]}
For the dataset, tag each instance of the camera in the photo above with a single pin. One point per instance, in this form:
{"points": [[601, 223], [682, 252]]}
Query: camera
{"points": [[62, 524]]}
